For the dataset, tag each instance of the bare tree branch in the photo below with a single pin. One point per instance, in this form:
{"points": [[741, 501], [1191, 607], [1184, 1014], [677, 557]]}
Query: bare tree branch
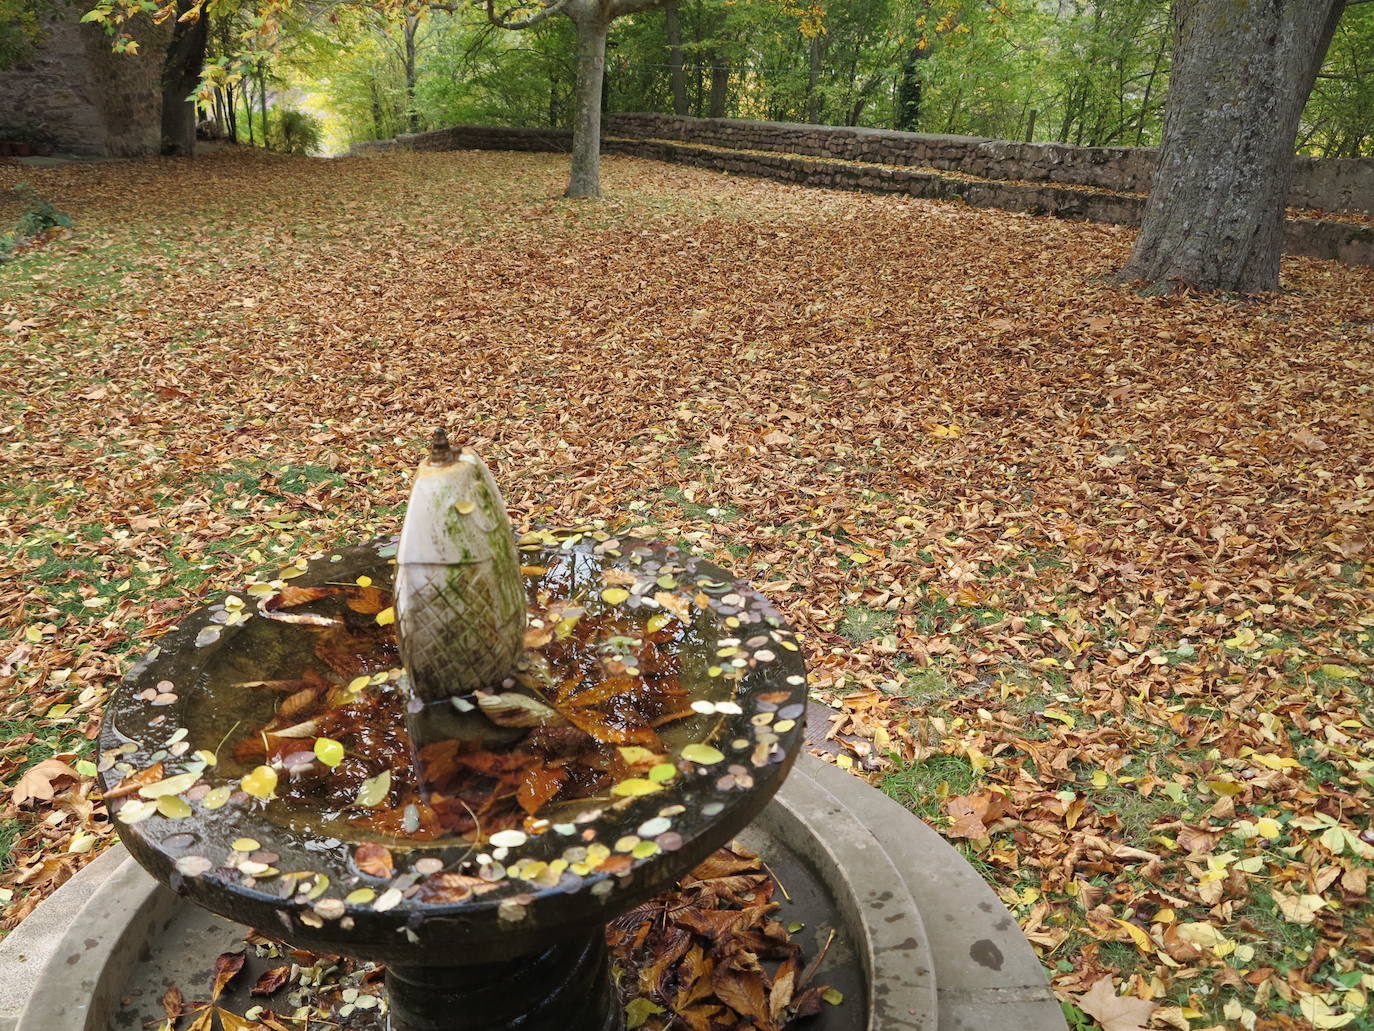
{"points": [[507, 20]]}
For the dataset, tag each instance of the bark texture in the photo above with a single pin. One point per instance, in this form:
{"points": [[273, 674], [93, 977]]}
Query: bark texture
{"points": [[180, 76], [677, 74], [592, 28], [1243, 70]]}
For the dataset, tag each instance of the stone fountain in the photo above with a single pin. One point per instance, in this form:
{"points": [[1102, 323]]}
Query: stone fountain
{"points": [[571, 723], [461, 753]]}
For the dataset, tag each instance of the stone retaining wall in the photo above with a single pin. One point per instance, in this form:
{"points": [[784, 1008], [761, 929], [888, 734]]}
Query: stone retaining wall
{"points": [[489, 137], [1315, 238], [1328, 184]]}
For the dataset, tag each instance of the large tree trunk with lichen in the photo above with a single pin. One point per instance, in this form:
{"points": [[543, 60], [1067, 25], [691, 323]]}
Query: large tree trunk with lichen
{"points": [[1242, 72], [180, 76], [592, 28]]}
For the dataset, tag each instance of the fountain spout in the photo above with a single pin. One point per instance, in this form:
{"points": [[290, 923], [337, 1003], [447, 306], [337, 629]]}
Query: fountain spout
{"points": [[460, 600]]}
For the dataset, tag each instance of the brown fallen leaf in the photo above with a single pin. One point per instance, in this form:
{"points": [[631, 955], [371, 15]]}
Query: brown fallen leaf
{"points": [[374, 860], [270, 981], [1115, 1012], [41, 781], [227, 967]]}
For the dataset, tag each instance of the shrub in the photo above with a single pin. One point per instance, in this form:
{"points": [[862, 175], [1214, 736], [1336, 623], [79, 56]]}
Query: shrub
{"points": [[300, 133], [38, 217]]}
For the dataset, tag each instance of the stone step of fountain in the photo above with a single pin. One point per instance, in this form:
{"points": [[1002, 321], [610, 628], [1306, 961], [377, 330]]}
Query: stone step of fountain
{"points": [[926, 944]]}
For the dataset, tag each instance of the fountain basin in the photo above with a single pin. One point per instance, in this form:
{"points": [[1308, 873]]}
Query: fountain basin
{"points": [[922, 943]]}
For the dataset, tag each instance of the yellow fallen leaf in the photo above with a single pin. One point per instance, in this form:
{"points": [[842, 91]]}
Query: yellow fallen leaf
{"points": [[1138, 935], [1062, 716], [1276, 762], [1336, 672], [1226, 787], [1298, 909]]}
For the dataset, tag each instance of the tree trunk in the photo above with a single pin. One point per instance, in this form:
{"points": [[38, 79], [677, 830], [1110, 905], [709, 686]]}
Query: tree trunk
{"points": [[262, 100], [677, 75], [585, 180], [813, 80], [720, 87], [412, 24], [180, 77], [1242, 72], [231, 109], [909, 90]]}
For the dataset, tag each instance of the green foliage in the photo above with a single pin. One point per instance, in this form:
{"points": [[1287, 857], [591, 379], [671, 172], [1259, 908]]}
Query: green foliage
{"points": [[37, 217], [1090, 72], [21, 27], [1339, 119], [297, 132]]}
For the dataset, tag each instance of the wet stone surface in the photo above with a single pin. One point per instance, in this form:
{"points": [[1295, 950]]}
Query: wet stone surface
{"points": [[265, 762]]}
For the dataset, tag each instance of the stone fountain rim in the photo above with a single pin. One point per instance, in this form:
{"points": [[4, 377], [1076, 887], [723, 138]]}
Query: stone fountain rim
{"points": [[959, 915], [475, 922]]}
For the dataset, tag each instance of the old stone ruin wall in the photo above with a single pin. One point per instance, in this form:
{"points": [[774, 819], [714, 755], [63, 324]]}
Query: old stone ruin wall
{"points": [[1329, 184], [84, 98], [1098, 184]]}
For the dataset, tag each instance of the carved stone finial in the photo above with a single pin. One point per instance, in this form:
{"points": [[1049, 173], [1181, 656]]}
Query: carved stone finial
{"points": [[440, 451], [460, 599]]}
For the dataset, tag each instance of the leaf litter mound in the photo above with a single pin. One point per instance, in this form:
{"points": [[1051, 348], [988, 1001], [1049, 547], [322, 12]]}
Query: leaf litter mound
{"points": [[1087, 575], [708, 956]]}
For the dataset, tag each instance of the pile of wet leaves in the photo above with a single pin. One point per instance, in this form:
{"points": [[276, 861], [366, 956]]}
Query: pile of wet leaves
{"points": [[708, 956]]}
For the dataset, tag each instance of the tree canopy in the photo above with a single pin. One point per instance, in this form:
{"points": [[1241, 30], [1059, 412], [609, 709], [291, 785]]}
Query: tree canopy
{"points": [[1092, 72]]}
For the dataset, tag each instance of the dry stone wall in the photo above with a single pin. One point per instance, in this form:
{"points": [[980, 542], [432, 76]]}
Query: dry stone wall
{"points": [[1328, 184], [862, 159], [85, 98]]}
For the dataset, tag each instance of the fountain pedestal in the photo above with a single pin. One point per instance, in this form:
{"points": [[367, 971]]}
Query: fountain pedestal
{"points": [[655, 712], [567, 987]]}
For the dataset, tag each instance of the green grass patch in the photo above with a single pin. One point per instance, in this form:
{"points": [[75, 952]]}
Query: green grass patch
{"points": [[922, 787]]}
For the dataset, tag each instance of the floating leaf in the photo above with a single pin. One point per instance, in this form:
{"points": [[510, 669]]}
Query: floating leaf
{"points": [[261, 782], [635, 786], [703, 754], [373, 790], [329, 751]]}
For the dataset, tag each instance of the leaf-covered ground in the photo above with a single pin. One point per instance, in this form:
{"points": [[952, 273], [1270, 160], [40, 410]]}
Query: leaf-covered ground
{"points": [[1088, 574]]}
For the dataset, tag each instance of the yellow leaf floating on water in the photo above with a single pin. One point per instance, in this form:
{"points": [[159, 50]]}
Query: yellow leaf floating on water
{"points": [[329, 751], [614, 595], [372, 791], [703, 754], [635, 786], [170, 786], [260, 782], [638, 1011], [173, 808], [387, 616]]}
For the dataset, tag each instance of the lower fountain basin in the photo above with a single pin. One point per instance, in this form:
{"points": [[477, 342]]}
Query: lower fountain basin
{"points": [[922, 943]]}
